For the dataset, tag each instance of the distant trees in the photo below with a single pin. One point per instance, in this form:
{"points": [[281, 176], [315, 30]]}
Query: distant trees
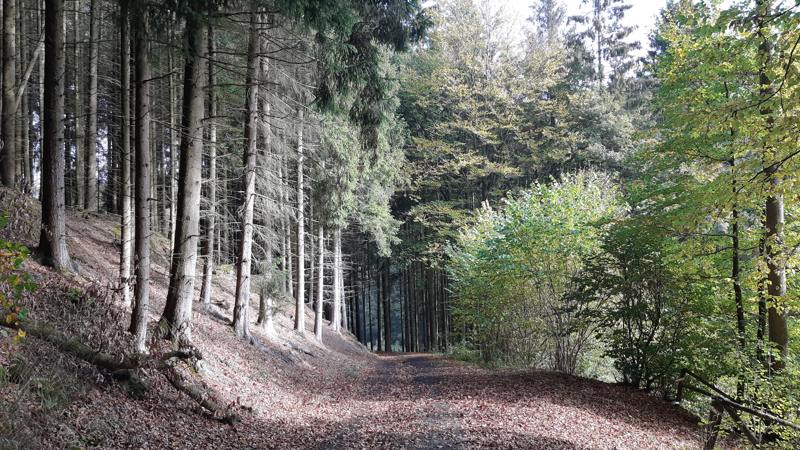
{"points": [[539, 113]]}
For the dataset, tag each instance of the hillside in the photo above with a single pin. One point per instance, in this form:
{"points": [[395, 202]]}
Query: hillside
{"points": [[290, 391]]}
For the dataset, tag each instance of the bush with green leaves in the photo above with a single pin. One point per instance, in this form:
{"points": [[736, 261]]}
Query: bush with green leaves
{"points": [[637, 305], [514, 266]]}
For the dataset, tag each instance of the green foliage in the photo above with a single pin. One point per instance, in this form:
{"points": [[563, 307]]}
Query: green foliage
{"points": [[465, 353], [351, 37], [645, 314], [356, 184], [513, 268], [14, 282], [487, 116]]}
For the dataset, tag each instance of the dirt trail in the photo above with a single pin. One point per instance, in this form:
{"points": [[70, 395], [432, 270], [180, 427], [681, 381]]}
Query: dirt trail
{"points": [[426, 401]]}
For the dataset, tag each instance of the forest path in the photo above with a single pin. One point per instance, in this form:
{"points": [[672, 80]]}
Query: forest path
{"points": [[425, 401]]}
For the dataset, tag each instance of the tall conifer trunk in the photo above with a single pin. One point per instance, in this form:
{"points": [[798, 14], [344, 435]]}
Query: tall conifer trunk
{"points": [[91, 110], [143, 181], [53, 238], [387, 306], [208, 266], [177, 315], [242, 304], [320, 284], [336, 319], [173, 151], [300, 308], [9, 113], [125, 133], [78, 109]]}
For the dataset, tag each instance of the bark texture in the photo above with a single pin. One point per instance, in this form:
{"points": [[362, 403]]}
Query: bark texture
{"points": [[243, 267], [9, 123], [177, 314], [143, 184], [53, 238]]}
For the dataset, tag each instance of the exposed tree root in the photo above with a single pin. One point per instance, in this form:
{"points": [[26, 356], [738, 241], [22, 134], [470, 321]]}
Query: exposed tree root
{"points": [[198, 393], [129, 370]]}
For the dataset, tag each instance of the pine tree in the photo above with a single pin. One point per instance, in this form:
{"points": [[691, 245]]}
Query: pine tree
{"points": [[176, 318], [243, 267], [142, 112], [125, 130], [91, 110], [53, 238], [8, 152]]}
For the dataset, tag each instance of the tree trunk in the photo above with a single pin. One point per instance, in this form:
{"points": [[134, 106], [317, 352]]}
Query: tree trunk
{"points": [[9, 114], [173, 151], [125, 119], [40, 108], [154, 181], [379, 304], [91, 111], [242, 304], [310, 278], [25, 147], [387, 307], [208, 267], [159, 172], [142, 145], [265, 298], [177, 314], [368, 302], [287, 230], [300, 307], [355, 305], [741, 325], [320, 284], [265, 308], [774, 215], [224, 239], [77, 109], [284, 238], [22, 105], [265, 312], [53, 238], [342, 295], [336, 320]]}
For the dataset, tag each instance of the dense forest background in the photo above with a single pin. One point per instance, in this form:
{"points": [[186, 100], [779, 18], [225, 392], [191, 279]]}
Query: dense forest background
{"points": [[430, 177]]}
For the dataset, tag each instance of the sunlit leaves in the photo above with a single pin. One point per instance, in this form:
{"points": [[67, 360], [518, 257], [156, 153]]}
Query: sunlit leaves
{"points": [[14, 282], [512, 268]]}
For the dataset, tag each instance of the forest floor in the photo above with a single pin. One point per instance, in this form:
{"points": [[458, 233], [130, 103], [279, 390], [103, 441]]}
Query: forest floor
{"points": [[290, 391], [430, 401]]}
